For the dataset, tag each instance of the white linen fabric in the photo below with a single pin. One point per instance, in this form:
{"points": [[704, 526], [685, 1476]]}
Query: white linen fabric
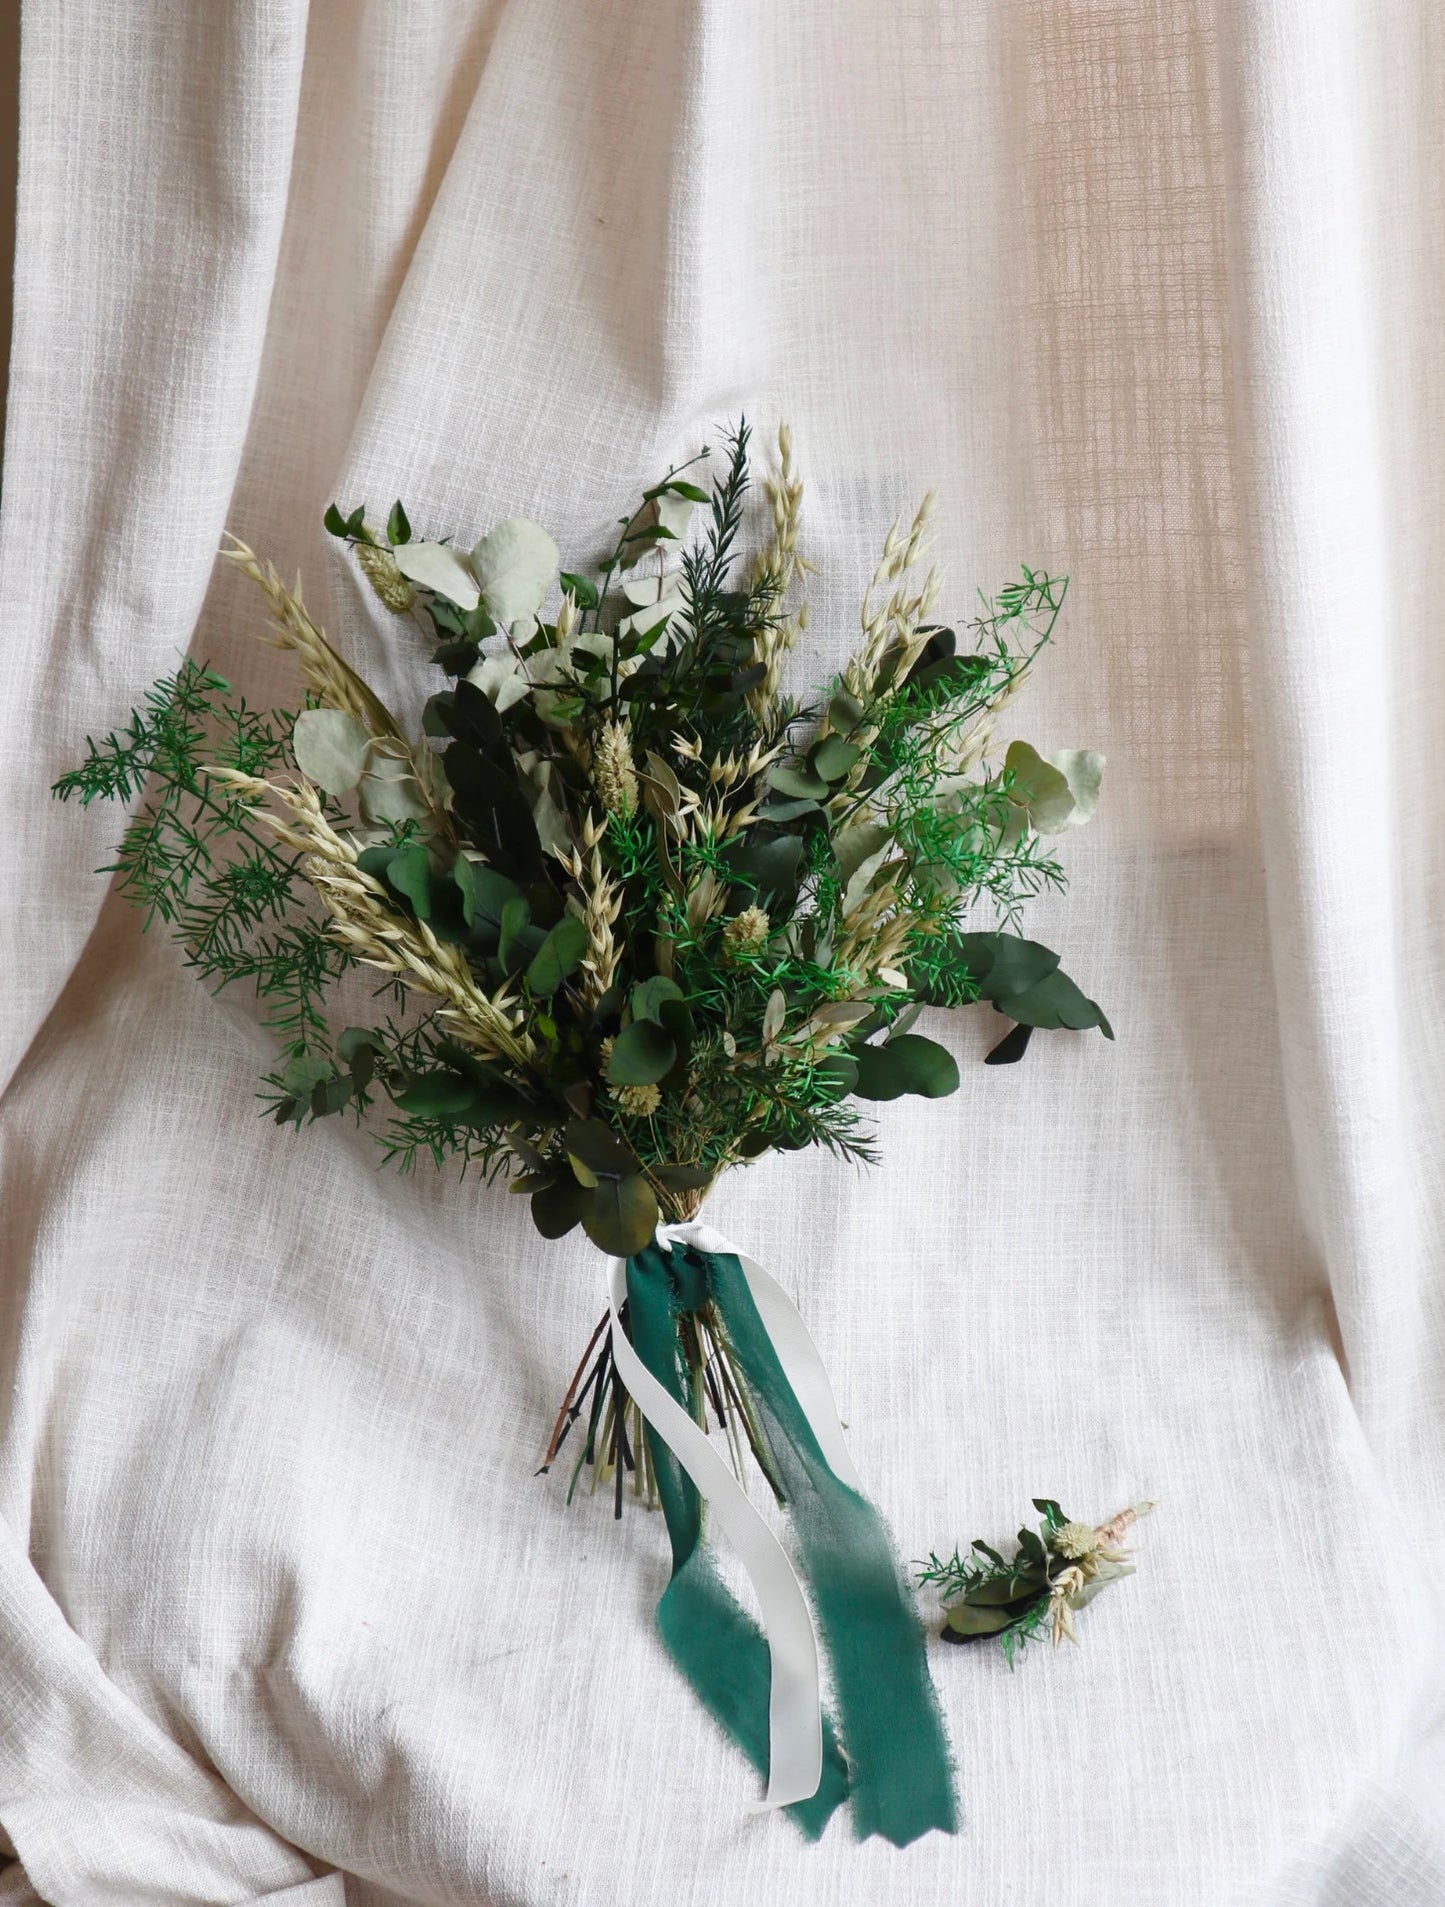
{"points": [[1153, 293]]}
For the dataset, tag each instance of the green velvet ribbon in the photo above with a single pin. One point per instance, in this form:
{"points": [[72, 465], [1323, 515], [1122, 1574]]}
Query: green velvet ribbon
{"points": [[893, 1760]]}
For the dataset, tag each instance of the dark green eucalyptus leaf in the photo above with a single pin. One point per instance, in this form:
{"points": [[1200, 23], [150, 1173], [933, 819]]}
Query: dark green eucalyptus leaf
{"points": [[797, 781], [492, 1106], [558, 1207], [1011, 1048], [837, 1074], [438, 1095], [780, 811], [330, 1095], [409, 874], [1055, 1002], [516, 918], [844, 711], [622, 1216], [455, 657], [1003, 964], [642, 1054], [1021, 1585], [1031, 1547], [768, 863], [908, 1064], [525, 1183], [834, 758], [303, 1071], [355, 1041], [649, 995], [966, 1622], [559, 955], [598, 1151], [398, 530], [334, 521], [1050, 1512], [683, 1178]]}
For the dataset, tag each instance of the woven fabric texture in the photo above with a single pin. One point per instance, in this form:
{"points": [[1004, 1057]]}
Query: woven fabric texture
{"points": [[1154, 292]]}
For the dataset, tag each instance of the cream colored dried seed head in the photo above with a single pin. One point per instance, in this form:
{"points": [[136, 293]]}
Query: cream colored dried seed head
{"points": [[568, 617], [639, 1101], [613, 774], [747, 932], [378, 566], [1075, 1540]]}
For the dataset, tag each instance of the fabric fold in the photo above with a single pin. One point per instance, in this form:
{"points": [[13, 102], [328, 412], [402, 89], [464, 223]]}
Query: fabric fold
{"points": [[102, 1807]]}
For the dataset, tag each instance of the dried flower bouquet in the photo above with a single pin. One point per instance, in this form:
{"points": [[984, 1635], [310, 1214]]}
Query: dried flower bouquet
{"points": [[642, 916]]}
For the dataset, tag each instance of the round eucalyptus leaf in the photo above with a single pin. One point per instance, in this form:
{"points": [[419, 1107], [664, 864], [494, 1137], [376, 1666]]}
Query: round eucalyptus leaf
{"points": [[641, 1055], [834, 758], [557, 1207], [797, 781], [597, 1152], [514, 566], [559, 955], [908, 1064], [409, 874], [331, 748], [622, 1215], [1039, 787], [438, 1095], [649, 995], [1083, 770], [438, 567]]}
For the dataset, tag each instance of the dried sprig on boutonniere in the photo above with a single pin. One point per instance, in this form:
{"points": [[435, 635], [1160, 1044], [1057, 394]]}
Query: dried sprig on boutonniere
{"points": [[1054, 1571], [641, 915]]}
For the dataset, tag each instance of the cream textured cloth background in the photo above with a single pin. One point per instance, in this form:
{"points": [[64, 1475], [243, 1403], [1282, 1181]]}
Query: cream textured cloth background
{"points": [[1153, 291]]}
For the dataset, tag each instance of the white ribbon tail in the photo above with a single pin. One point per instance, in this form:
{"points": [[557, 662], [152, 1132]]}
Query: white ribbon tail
{"points": [[795, 1717]]}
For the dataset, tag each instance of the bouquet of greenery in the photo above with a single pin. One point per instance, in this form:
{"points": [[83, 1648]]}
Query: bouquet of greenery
{"points": [[641, 916]]}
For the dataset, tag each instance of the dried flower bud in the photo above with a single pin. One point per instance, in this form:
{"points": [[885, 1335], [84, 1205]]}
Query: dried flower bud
{"points": [[380, 570], [640, 1101], [613, 774], [747, 932], [1075, 1540]]}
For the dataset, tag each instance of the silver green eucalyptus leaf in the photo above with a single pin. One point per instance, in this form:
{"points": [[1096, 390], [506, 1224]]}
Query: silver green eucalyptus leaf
{"points": [[547, 811], [437, 566], [389, 792], [502, 678], [514, 565], [331, 749], [674, 514], [658, 599], [1039, 787], [855, 845], [1083, 769]]}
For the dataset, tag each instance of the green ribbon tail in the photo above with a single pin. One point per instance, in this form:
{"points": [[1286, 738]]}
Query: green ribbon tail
{"points": [[898, 1770], [706, 1631]]}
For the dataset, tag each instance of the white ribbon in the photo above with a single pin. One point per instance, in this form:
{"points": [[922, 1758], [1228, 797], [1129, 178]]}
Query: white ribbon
{"points": [[795, 1716]]}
